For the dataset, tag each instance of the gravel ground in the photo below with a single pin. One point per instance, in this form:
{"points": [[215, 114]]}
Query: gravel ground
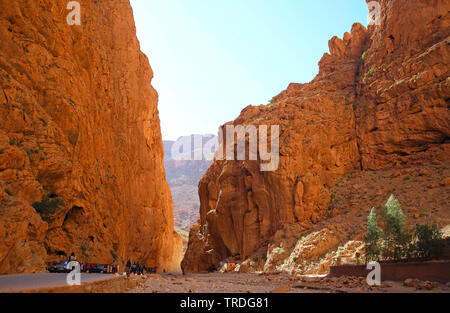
{"points": [[256, 283]]}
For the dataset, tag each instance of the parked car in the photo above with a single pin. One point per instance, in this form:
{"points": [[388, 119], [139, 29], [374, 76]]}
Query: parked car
{"points": [[60, 267], [97, 268]]}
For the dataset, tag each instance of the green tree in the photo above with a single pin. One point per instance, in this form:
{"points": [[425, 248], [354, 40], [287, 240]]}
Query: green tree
{"points": [[397, 239], [374, 236]]}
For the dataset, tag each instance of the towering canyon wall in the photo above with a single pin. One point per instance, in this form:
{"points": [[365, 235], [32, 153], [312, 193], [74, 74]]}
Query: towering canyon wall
{"points": [[81, 155], [380, 101], [403, 89]]}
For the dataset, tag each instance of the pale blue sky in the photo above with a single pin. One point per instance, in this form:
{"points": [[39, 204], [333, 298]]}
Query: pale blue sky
{"points": [[212, 58]]}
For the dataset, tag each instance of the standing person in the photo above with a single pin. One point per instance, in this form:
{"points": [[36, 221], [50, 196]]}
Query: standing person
{"points": [[128, 267], [114, 267]]}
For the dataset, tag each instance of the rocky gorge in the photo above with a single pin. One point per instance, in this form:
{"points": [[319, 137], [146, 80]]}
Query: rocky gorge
{"points": [[83, 167]]}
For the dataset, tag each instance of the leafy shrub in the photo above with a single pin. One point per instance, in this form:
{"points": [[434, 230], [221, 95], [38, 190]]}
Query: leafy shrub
{"points": [[372, 71], [428, 242], [363, 55], [9, 192], [48, 205]]}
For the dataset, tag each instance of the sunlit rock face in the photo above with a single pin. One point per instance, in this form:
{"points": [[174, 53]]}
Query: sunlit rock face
{"points": [[81, 155], [380, 101], [403, 89]]}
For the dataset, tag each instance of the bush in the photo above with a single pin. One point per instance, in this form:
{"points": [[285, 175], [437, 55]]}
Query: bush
{"points": [[428, 242], [363, 55], [397, 243], [48, 205], [374, 236]]}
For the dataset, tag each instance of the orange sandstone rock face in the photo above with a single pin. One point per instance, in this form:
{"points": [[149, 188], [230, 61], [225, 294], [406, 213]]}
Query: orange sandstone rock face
{"points": [[81, 155], [404, 86], [241, 207], [387, 107]]}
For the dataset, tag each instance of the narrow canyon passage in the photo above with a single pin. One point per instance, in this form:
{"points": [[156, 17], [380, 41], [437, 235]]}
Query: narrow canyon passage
{"points": [[346, 168]]}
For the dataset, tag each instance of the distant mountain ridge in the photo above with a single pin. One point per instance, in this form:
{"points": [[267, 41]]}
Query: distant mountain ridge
{"points": [[183, 177]]}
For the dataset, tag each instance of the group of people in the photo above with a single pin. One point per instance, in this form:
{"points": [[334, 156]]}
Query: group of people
{"points": [[134, 268], [130, 268]]}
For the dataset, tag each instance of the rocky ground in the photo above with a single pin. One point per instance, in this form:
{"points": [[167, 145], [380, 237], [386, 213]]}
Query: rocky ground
{"points": [[263, 283]]}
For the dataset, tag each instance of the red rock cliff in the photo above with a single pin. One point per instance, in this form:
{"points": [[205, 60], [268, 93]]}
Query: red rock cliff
{"points": [[81, 155], [380, 100]]}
